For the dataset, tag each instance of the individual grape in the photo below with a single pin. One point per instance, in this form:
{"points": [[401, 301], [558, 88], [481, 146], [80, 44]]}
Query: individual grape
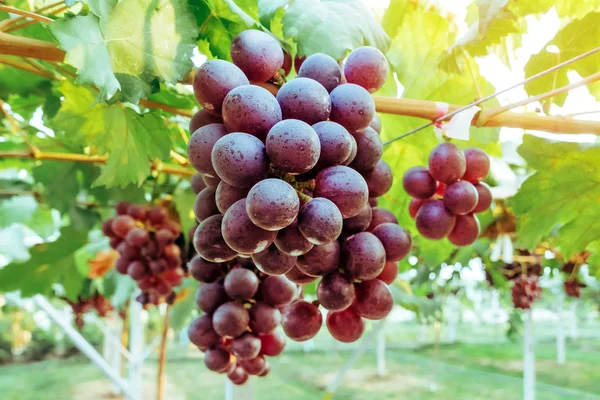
{"points": [[352, 106], [415, 205], [238, 376], [290, 241], [210, 296], [278, 290], [345, 187], [241, 284], [150, 251], [302, 321], [205, 204], [373, 299], [389, 273], [137, 237], [434, 220], [376, 123], [251, 109], [369, 150], [241, 234], [298, 61], [201, 332], [272, 204], [202, 118], [304, 99], [336, 143], [485, 197], [127, 251], [209, 241], [162, 288], [353, 152], [217, 359], [299, 277], [246, 346], [419, 183], [121, 225], [266, 370], [138, 212], [287, 63], [321, 260], [478, 165], [122, 207], [173, 277], [231, 319], [293, 146], [264, 318], [363, 256], [366, 66], [165, 237], [213, 80], [200, 147], [227, 194], [107, 228], [465, 231], [258, 54], [197, 183], [345, 326], [137, 270], [335, 292], [461, 197], [254, 366], [379, 179], [172, 226], [122, 265], [240, 159], [395, 239], [157, 215], [323, 69], [272, 344], [381, 216], [211, 181], [359, 222], [172, 255], [320, 221], [272, 261], [447, 163]]}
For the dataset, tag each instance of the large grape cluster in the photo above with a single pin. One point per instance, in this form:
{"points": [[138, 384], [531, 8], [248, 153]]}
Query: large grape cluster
{"points": [[145, 238], [525, 291], [287, 192], [446, 197]]}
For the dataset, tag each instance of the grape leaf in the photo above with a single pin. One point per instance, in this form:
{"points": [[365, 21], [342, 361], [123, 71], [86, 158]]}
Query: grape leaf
{"points": [[268, 8], [60, 183], [564, 8], [563, 192], [574, 39], [185, 305], [332, 26], [184, 198], [12, 244]]}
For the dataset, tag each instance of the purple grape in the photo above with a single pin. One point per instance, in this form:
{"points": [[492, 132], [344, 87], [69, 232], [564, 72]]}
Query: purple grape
{"points": [[200, 147], [369, 150], [434, 221], [418, 183], [379, 179], [202, 118], [246, 346], [201, 332], [129, 252], [485, 197], [231, 319], [251, 109], [211, 181], [373, 299], [320, 221], [465, 231], [376, 123], [298, 61], [209, 241], [258, 54], [210, 296], [238, 376], [137, 237], [363, 256], [122, 207], [321, 260], [272, 344], [121, 225], [373, 201], [290, 241], [302, 321], [138, 212], [217, 359], [205, 205], [345, 326], [352, 106], [278, 290], [241, 234], [226, 195], [304, 99], [461, 197], [447, 163], [241, 284], [359, 222], [336, 143], [478, 165], [366, 66], [264, 318], [336, 291], [293, 146], [299, 277], [240, 159], [137, 270], [205, 271], [380, 216], [395, 239], [323, 69], [287, 63], [213, 80], [272, 261], [272, 204], [197, 183], [345, 187], [254, 366]]}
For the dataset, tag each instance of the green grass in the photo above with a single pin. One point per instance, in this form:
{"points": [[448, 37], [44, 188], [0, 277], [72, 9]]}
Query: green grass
{"points": [[453, 372]]}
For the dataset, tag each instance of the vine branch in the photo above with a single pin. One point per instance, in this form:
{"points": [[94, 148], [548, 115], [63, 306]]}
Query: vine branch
{"points": [[26, 14]]}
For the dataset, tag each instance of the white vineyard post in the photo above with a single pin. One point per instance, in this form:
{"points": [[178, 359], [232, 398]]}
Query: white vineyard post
{"points": [[136, 347], [234, 392], [84, 346], [452, 316], [422, 333], [381, 369], [573, 331], [528, 358], [308, 346], [113, 355], [560, 330]]}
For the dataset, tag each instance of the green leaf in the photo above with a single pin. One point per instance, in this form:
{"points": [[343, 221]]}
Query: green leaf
{"points": [[564, 8], [126, 45], [574, 39], [184, 198], [268, 8], [182, 310], [60, 183], [12, 244], [333, 27]]}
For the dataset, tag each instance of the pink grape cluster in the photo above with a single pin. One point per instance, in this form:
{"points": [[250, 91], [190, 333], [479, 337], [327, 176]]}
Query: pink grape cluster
{"points": [[287, 190], [145, 238], [525, 291], [446, 197]]}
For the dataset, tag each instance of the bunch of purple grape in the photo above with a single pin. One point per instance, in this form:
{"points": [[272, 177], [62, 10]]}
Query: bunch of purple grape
{"points": [[145, 238], [525, 291], [289, 191], [448, 194]]}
